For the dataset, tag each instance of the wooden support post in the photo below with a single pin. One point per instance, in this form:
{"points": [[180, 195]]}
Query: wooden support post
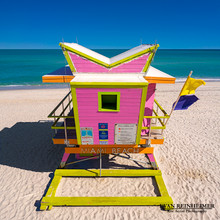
{"points": [[64, 160], [100, 157], [152, 161]]}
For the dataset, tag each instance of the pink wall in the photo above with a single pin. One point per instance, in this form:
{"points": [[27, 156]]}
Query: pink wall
{"points": [[83, 65], [87, 99], [149, 105]]}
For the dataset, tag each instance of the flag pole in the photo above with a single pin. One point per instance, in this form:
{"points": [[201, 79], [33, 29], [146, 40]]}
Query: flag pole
{"points": [[178, 97]]}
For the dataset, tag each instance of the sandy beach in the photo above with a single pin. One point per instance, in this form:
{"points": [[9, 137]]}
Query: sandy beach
{"points": [[189, 159]]}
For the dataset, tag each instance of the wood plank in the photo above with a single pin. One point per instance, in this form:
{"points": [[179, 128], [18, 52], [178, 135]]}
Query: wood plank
{"points": [[153, 141], [151, 157], [53, 186], [87, 149], [112, 145], [152, 161], [163, 80], [161, 186], [56, 79], [107, 201], [62, 141], [95, 172]]}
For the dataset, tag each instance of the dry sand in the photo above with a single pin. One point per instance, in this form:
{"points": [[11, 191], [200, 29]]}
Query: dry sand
{"points": [[189, 160]]}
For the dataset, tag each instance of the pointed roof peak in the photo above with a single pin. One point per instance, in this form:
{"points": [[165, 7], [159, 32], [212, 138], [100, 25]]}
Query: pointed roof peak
{"points": [[81, 50]]}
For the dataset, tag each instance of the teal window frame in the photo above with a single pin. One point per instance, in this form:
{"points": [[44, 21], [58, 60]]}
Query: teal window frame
{"points": [[100, 109]]}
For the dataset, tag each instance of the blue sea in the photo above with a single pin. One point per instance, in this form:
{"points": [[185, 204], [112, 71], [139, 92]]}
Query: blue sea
{"points": [[26, 67]]}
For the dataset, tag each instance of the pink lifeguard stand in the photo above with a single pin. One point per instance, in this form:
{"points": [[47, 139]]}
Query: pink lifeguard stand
{"points": [[108, 110]]}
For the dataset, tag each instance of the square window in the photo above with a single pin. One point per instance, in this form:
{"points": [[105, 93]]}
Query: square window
{"points": [[109, 101]]}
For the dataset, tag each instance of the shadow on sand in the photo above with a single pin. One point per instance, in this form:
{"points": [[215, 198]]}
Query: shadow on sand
{"points": [[29, 146]]}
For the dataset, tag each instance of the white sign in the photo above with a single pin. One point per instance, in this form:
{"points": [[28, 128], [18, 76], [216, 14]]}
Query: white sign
{"points": [[86, 136], [125, 133]]}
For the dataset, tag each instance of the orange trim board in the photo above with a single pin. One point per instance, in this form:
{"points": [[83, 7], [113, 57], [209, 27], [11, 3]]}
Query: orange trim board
{"points": [[108, 150], [160, 79], [62, 141], [56, 79], [152, 141], [74, 141]]}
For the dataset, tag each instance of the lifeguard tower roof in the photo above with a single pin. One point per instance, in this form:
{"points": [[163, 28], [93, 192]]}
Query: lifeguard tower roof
{"points": [[82, 60], [102, 58], [65, 75]]}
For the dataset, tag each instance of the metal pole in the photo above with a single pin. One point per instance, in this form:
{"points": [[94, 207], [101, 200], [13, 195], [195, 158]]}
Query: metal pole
{"points": [[157, 113], [100, 174], [65, 130], [69, 102], [54, 119], [148, 142], [78, 161], [129, 158], [163, 129]]}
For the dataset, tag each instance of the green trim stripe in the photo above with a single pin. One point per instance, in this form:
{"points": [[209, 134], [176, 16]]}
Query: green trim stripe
{"points": [[76, 115], [141, 114], [69, 61], [164, 112], [100, 102], [150, 58], [153, 128], [68, 128], [148, 63], [132, 56], [83, 55]]}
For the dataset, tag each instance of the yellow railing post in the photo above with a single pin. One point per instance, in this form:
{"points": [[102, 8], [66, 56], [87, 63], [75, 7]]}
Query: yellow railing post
{"points": [[161, 119]]}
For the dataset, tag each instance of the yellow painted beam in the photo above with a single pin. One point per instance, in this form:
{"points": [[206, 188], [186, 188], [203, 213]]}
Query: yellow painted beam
{"points": [[53, 186], [106, 201], [96, 172], [161, 186]]}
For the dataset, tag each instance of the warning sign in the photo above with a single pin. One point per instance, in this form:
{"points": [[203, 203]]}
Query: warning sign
{"points": [[86, 136], [103, 133], [125, 133]]}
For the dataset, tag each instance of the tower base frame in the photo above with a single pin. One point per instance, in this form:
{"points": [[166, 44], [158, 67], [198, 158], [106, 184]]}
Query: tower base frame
{"points": [[50, 200]]}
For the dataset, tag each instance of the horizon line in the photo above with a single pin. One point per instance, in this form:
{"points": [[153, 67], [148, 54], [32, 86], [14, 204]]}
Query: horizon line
{"points": [[110, 48]]}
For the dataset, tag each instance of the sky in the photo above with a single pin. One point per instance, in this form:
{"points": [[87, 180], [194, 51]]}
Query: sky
{"points": [[95, 24]]}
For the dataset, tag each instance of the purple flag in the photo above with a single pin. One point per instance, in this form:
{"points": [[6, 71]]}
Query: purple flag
{"points": [[185, 101]]}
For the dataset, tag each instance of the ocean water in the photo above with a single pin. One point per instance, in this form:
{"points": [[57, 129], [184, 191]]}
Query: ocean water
{"points": [[26, 67]]}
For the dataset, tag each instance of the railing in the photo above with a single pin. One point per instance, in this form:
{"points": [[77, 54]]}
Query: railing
{"points": [[64, 105], [156, 118]]}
